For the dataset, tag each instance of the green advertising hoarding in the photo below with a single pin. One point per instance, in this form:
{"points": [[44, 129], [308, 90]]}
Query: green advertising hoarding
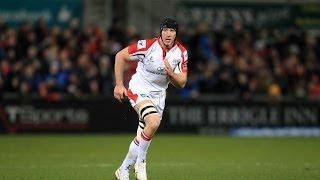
{"points": [[250, 14], [55, 12], [307, 15]]}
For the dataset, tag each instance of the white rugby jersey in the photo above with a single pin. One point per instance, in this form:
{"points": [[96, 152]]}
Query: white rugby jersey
{"points": [[150, 73]]}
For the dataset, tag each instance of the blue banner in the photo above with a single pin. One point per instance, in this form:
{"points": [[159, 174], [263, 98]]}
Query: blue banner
{"points": [[54, 12]]}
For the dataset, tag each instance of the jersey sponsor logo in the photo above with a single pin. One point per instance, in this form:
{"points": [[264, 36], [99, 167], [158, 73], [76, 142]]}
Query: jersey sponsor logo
{"points": [[157, 73], [160, 69], [144, 95], [142, 44]]}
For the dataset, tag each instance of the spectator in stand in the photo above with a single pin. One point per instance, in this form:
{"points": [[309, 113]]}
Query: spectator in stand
{"points": [[237, 60]]}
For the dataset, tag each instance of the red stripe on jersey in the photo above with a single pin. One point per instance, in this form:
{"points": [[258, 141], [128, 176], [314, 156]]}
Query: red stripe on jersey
{"points": [[164, 51], [132, 96], [181, 47], [184, 64], [134, 48], [130, 72]]}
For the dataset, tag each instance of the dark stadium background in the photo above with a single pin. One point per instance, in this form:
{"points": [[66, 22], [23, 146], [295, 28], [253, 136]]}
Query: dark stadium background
{"points": [[253, 71], [251, 64]]}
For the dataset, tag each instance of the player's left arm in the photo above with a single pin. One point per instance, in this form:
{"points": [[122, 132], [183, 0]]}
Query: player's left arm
{"points": [[177, 78]]}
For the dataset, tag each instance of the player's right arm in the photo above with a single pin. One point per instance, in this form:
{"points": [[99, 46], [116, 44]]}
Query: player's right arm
{"points": [[133, 52], [120, 61]]}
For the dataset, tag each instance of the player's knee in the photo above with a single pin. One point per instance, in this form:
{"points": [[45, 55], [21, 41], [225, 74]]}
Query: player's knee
{"points": [[146, 109], [153, 122], [148, 115], [155, 125]]}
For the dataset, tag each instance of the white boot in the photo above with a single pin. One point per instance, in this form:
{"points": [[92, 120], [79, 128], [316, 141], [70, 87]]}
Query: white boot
{"points": [[121, 174], [140, 171]]}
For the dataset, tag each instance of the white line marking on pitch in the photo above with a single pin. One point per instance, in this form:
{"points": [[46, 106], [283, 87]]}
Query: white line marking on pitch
{"points": [[99, 165]]}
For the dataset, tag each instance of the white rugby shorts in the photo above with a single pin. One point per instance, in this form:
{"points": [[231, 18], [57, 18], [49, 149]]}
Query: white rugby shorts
{"points": [[157, 97]]}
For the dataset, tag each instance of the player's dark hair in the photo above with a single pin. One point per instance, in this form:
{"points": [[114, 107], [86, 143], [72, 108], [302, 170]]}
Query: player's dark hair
{"points": [[169, 23]]}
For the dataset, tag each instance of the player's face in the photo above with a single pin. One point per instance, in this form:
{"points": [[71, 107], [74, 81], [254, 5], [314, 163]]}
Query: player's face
{"points": [[168, 36]]}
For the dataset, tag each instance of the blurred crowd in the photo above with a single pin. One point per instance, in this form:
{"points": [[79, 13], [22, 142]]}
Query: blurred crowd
{"points": [[247, 62], [54, 61]]}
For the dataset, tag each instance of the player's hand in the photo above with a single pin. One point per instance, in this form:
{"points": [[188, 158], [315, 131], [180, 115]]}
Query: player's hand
{"points": [[120, 92], [168, 68]]}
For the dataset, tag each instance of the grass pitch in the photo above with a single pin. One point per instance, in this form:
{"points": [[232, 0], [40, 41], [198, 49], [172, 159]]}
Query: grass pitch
{"points": [[171, 157]]}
